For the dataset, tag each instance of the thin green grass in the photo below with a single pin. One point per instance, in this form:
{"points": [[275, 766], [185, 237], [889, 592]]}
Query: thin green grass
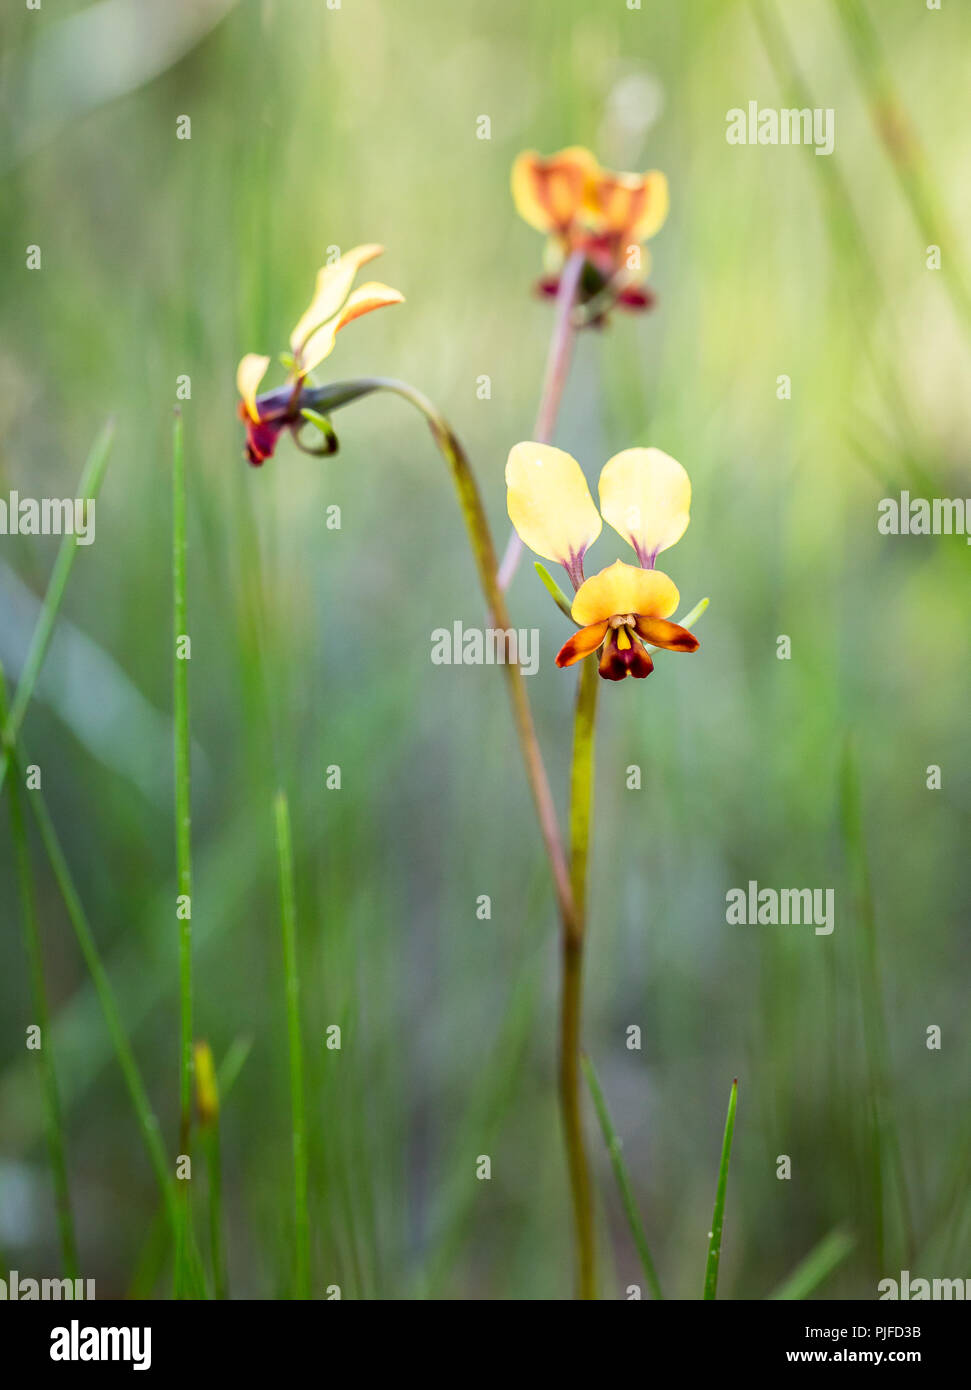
{"points": [[885, 1153], [183, 776], [147, 1121], [718, 1216], [907, 157], [208, 1107], [288, 922], [183, 841], [615, 1152], [232, 1064], [156, 1246], [89, 486], [815, 1269], [53, 1115]]}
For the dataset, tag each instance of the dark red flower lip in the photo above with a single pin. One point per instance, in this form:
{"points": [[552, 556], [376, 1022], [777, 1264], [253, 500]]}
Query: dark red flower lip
{"points": [[275, 415], [261, 437], [616, 663], [633, 297]]}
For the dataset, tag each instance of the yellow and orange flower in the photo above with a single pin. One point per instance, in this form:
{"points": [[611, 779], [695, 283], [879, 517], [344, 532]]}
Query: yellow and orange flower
{"points": [[603, 215], [333, 306], [645, 495]]}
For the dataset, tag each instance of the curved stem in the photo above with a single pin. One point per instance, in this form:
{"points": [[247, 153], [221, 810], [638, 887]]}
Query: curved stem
{"points": [[336, 394], [569, 881], [581, 805], [554, 380]]}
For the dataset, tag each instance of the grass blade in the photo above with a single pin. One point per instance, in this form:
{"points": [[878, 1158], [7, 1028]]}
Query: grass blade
{"points": [[614, 1149], [718, 1217], [883, 1137], [88, 488], [288, 920], [818, 1265], [183, 779], [207, 1104], [232, 1064], [183, 838], [896, 131], [147, 1120], [53, 1117]]}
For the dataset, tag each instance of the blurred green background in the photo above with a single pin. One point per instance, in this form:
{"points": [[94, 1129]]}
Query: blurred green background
{"points": [[313, 127]]}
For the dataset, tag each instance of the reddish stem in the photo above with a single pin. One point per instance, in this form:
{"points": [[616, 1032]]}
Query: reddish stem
{"points": [[557, 369]]}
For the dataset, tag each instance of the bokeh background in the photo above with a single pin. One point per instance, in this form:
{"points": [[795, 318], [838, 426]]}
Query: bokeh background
{"points": [[313, 127]]}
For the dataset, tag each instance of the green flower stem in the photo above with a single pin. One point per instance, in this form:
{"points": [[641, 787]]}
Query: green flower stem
{"points": [[89, 486], [331, 397], [53, 1116], [569, 880], [288, 921], [581, 806]]}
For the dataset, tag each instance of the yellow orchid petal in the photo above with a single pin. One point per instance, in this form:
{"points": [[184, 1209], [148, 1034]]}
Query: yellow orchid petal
{"points": [[548, 193], [631, 205], [319, 345], [620, 589], [645, 495], [249, 374], [549, 502], [654, 207], [332, 288]]}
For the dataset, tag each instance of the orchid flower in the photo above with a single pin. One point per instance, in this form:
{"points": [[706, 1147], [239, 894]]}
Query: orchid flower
{"points": [[604, 216], [333, 306], [645, 495]]}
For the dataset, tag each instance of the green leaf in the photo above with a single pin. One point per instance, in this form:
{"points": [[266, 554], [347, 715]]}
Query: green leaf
{"points": [[554, 590], [718, 1217], [695, 613]]}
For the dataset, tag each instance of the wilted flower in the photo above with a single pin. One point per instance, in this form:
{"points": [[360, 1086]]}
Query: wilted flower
{"points": [[332, 307], [645, 495], [600, 214]]}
